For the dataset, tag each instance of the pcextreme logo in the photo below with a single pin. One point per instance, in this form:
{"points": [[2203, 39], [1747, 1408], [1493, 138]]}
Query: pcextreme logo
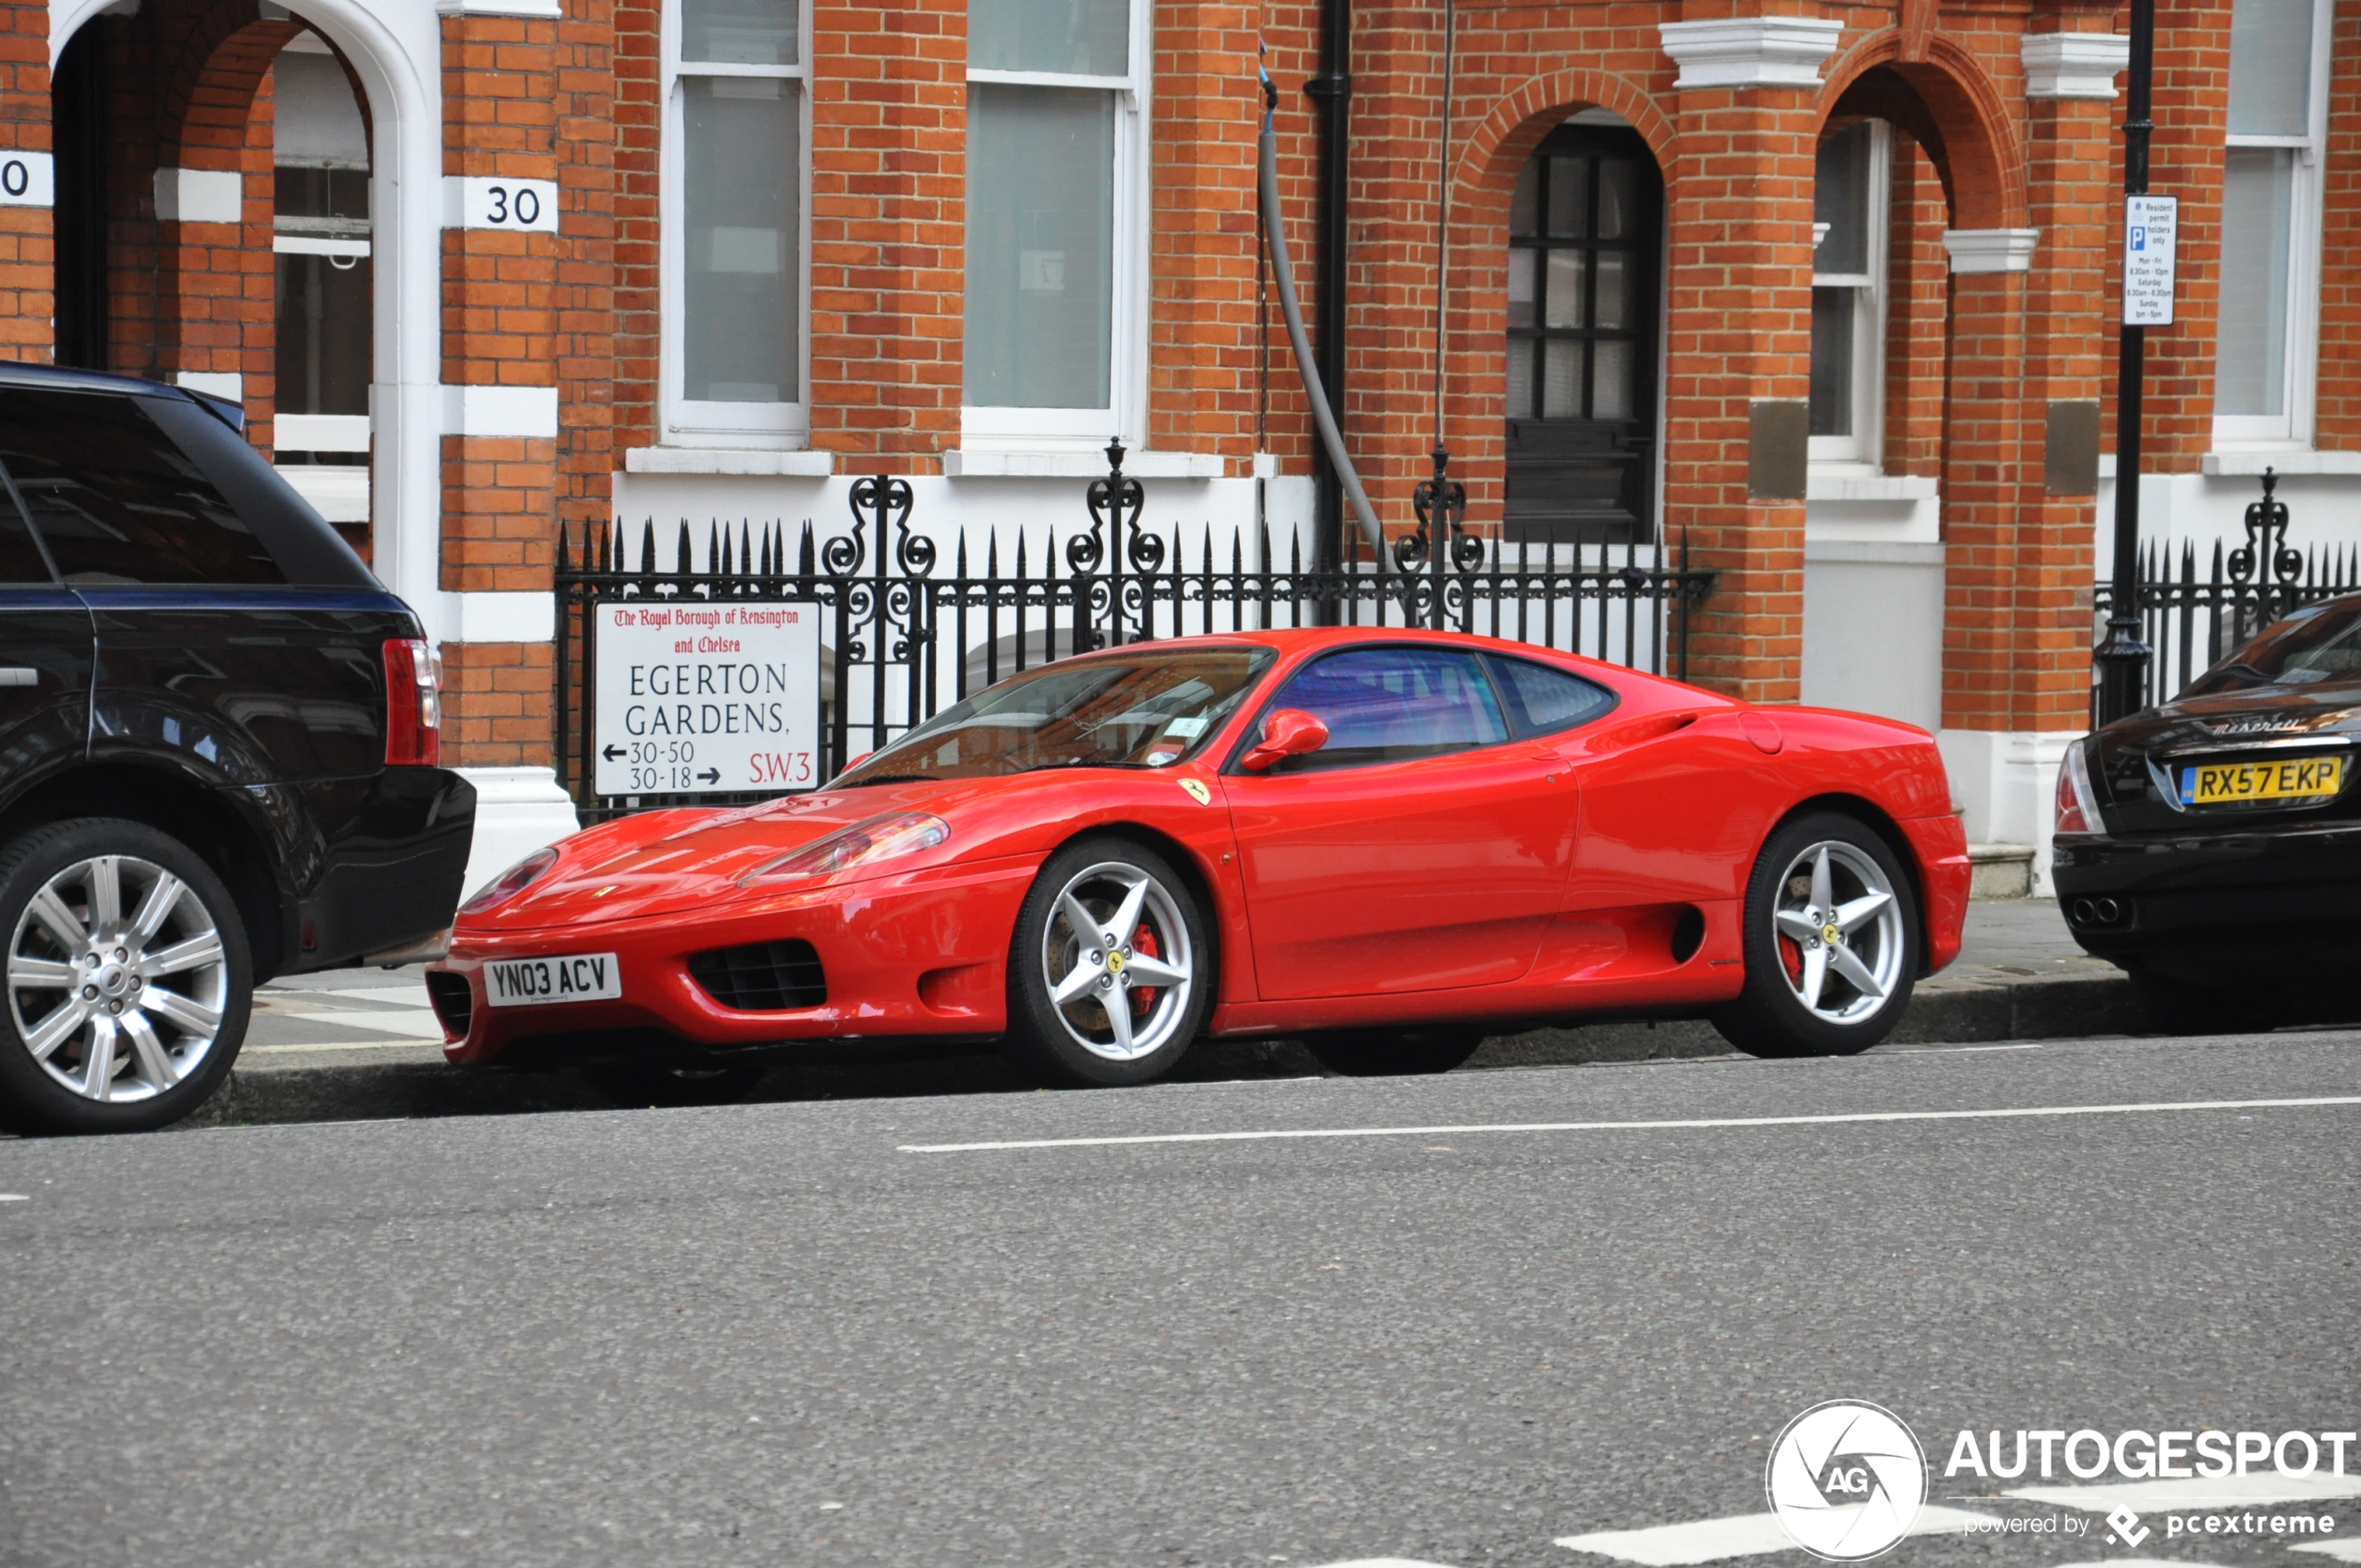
{"points": [[1846, 1481]]}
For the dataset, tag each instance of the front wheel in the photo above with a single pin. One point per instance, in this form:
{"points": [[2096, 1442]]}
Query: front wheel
{"points": [[1388, 1053], [129, 984], [1831, 944], [1111, 971]]}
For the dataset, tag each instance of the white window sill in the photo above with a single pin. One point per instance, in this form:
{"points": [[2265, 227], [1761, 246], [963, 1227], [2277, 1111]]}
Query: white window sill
{"points": [[2252, 461], [1859, 484], [970, 463], [728, 460]]}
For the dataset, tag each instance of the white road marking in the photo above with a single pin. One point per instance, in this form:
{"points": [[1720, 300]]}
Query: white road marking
{"points": [[15, 1198], [2335, 1551], [1381, 1562], [1695, 1122], [418, 1025], [1750, 1534], [406, 995], [2220, 1493]]}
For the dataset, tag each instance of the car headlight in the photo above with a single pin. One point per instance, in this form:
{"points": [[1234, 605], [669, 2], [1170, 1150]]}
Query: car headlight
{"points": [[879, 838], [511, 882]]}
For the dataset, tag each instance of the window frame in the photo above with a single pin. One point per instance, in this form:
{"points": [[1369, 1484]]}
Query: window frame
{"points": [[697, 422], [1863, 450], [2295, 427], [988, 427]]}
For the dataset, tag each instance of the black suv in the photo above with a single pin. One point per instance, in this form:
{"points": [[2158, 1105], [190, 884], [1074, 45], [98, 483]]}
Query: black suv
{"points": [[218, 748]]}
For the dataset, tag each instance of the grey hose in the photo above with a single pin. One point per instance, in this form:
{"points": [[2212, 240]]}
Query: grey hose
{"points": [[1283, 270]]}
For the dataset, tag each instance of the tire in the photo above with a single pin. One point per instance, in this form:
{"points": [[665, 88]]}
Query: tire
{"points": [[1816, 872], [1393, 1053], [2171, 1006], [1060, 970], [633, 1084], [156, 1051]]}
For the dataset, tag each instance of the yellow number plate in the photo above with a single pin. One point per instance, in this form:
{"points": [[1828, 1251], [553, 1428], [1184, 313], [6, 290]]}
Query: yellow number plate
{"points": [[2295, 778]]}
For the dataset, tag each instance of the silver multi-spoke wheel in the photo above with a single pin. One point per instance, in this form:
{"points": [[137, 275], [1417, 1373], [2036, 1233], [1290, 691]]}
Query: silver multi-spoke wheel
{"points": [[1839, 931], [118, 979], [1116, 957]]}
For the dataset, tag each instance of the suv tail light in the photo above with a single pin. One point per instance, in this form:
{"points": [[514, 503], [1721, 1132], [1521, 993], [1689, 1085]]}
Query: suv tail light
{"points": [[413, 703]]}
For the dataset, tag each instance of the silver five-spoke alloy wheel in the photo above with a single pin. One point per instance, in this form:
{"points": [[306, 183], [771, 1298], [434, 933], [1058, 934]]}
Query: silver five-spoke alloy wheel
{"points": [[1839, 931], [1117, 955], [117, 979]]}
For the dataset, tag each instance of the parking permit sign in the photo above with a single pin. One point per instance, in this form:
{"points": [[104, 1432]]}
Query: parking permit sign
{"points": [[697, 698], [2149, 225]]}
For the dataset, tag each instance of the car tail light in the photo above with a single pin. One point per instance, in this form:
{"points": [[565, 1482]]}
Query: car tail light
{"points": [[879, 838], [2077, 808], [413, 703], [511, 882]]}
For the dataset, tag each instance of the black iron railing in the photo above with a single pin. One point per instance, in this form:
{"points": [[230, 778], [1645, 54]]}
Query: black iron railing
{"points": [[2193, 623], [902, 639]]}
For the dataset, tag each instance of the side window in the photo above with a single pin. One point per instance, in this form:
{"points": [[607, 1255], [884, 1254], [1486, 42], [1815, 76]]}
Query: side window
{"points": [[1393, 705], [114, 497], [1542, 700], [20, 560]]}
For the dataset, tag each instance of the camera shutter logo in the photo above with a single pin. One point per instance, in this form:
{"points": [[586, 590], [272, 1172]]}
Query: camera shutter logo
{"points": [[1846, 1481]]}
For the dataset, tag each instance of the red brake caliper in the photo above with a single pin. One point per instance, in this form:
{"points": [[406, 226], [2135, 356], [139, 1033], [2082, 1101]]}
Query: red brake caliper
{"points": [[1143, 943]]}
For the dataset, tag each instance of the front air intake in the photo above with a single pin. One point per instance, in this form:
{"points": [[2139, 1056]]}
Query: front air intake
{"points": [[762, 977], [454, 1002]]}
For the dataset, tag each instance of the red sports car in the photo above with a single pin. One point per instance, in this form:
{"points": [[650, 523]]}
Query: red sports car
{"points": [[1389, 844]]}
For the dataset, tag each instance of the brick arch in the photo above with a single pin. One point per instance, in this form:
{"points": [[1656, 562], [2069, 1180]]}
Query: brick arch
{"points": [[207, 88], [1490, 160], [1980, 156]]}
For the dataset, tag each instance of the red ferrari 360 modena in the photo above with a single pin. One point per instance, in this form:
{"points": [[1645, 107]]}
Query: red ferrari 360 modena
{"points": [[1389, 844]]}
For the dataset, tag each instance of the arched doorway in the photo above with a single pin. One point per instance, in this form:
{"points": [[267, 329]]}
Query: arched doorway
{"points": [[1586, 245]]}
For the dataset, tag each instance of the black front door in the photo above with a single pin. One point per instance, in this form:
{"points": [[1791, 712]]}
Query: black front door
{"points": [[1585, 249]]}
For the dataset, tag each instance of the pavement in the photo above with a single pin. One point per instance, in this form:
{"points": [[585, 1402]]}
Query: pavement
{"points": [[1527, 1318], [361, 1043]]}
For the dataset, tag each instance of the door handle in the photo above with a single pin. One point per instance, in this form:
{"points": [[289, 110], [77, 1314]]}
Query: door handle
{"points": [[18, 675]]}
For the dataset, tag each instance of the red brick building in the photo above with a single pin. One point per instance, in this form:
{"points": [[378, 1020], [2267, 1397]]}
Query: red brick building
{"points": [[1822, 297]]}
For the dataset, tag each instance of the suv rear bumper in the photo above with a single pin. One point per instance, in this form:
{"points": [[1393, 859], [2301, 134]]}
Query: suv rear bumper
{"points": [[390, 854]]}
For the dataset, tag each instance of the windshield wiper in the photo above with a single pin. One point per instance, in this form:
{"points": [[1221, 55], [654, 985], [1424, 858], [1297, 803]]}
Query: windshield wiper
{"points": [[886, 778]]}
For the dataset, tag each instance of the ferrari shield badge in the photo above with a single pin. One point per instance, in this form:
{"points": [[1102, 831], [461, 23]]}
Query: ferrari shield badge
{"points": [[1197, 792]]}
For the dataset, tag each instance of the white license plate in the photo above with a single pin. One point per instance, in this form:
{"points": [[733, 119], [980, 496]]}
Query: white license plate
{"points": [[534, 982]]}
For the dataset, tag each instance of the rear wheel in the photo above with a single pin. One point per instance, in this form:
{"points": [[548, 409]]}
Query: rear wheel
{"points": [[129, 984], [1386, 1053], [642, 1083], [1111, 971], [1831, 942]]}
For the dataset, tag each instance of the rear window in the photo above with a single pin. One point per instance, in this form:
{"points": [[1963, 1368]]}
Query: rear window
{"points": [[128, 490], [2320, 645]]}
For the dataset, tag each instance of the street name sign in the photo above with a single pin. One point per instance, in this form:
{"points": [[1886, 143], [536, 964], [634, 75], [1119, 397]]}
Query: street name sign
{"points": [[697, 698], [2149, 226]]}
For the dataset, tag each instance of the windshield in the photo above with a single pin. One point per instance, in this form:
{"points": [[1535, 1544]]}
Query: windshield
{"points": [[1138, 709], [2320, 645]]}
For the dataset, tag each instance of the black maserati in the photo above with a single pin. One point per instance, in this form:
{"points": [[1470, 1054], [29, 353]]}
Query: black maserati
{"points": [[2212, 847]]}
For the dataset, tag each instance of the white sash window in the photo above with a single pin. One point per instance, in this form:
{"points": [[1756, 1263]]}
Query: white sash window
{"points": [[1055, 222], [2267, 340], [1848, 295], [735, 288]]}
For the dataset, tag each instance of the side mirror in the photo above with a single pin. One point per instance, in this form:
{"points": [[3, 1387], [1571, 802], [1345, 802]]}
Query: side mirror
{"points": [[1286, 732]]}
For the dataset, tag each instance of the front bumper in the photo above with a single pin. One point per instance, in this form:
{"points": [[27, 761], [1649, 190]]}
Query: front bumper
{"points": [[2244, 904], [920, 955]]}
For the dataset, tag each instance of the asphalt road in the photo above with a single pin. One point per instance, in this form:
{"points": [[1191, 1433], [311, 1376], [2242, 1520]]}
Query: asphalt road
{"points": [[777, 1335]]}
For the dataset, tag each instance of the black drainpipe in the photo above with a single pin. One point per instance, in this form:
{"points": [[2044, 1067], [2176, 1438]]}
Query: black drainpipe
{"points": [[1332, 90]]}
